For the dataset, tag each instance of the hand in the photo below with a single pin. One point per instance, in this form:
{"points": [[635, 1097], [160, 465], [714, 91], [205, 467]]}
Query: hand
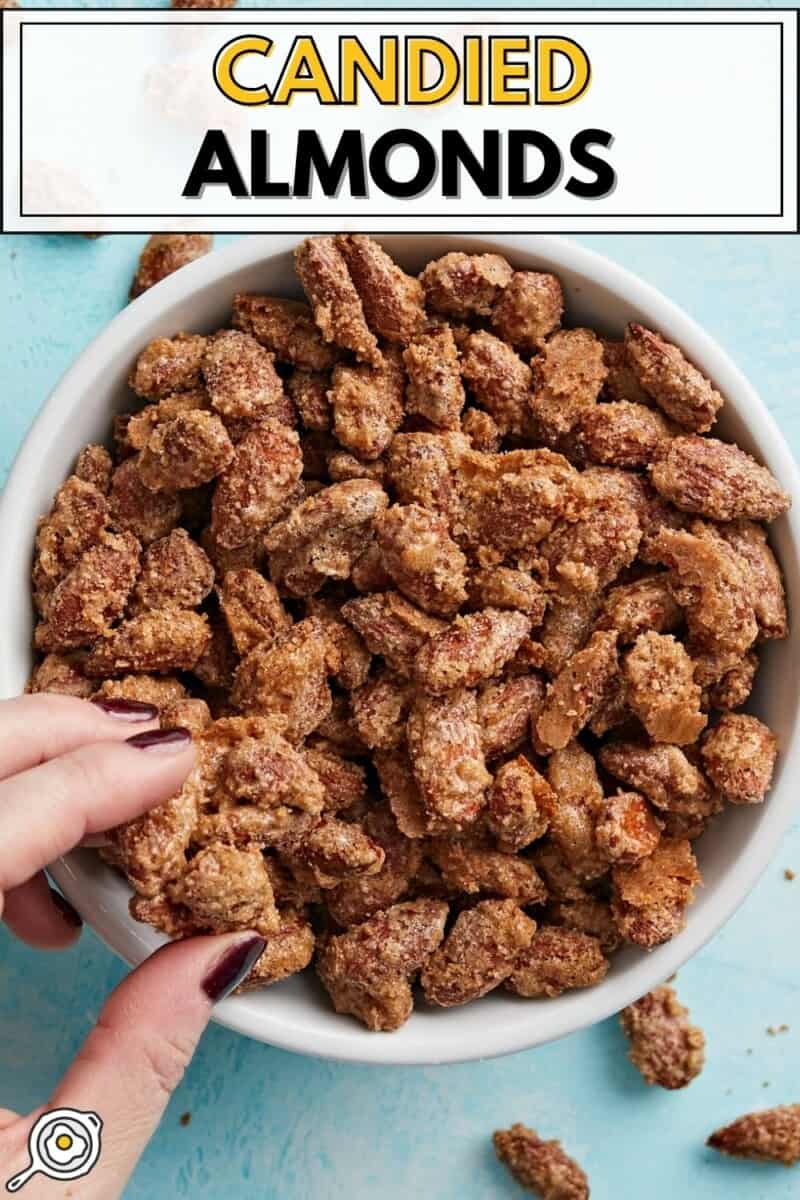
{"points": [[70, 770]]}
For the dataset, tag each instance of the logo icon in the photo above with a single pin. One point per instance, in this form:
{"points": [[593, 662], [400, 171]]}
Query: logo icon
{"points": [[63, 1144]]}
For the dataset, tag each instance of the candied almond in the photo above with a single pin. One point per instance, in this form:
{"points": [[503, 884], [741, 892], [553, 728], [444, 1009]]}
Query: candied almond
{"points": [[642, 606], [621, 382], [367, 404], [717, 480], [95, 465], [61, 674], [749, 541], [587, 915], [770, 1135], [160, 691], [192, 449], [391, 627], [322, 538], [464, 285], [503, 587], [356, 899], [308, 391], [92, 596], [475, 869], [153, 641], [165, 253], [336, 304], [76, 521], [252, 609], [557, 960], [622, 434], [257, 486], [577, 689], [285, 327], [422, 559], [168, 365], [519, 804], [733, 688], [480, 428], [288, 677], [738, 756], [176, 573], [577, 807], [588, 554], [661, 689], [434, 390], [506, 710], [399, 787], [529, 309], [419, 469], [367, 970], [665, 1048], [478, 953], [336, 850], [470, 650], [650, 898], [663, 774], [241, 378], [710, 586], [380, 708], [444, 741], [544, 1168], [567, 378], [677, 387], [289, 949], [225, 888], [392, 300], [499, 380], [133, 507], [511, 501], [627, 831]]}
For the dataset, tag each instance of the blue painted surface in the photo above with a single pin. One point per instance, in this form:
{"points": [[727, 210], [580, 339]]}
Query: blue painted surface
{"points": [[276, 1126]]}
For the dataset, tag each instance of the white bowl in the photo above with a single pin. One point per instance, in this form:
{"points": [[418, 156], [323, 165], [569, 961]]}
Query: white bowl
{"points": [[295, 1014]]}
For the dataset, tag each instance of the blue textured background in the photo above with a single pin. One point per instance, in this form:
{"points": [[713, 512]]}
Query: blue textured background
{"points": [[276, 1126]]}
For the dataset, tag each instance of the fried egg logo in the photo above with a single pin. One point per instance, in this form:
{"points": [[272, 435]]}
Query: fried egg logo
{"points": [[63, 1144]]}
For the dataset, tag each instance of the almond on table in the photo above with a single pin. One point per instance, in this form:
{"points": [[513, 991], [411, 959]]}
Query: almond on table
{"points": [[543, 1168], [665, 1048], [771, 1135], [461, 606]]}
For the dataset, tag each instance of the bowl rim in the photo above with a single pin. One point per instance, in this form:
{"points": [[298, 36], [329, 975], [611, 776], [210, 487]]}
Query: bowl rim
{"points": [[574, 1011]]}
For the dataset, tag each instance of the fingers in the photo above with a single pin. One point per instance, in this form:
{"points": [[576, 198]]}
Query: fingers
{"points": [[147, 1033], [47, 810], [40, 916], [40, 727]]}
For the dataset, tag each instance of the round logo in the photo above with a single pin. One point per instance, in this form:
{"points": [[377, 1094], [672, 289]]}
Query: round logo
{"points": [[63, 1144]]}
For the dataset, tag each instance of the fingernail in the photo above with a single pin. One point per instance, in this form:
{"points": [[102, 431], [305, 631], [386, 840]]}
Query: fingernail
{"points": [[126, 710], [234, 966], [66, 910], [165, 741]]}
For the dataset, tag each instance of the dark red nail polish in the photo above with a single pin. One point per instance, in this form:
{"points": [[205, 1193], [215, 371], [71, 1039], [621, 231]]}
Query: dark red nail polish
{"points": [[126, 710], [167, 741], [234, 966], [66, 910]]}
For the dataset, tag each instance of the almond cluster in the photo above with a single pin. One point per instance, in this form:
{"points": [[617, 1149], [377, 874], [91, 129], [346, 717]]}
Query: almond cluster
{"points": [[461, 604]]}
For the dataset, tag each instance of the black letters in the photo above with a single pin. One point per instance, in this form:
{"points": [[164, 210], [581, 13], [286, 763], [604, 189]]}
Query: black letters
{"points": [[215, 145], [605, 176], [426, 168], [518, 142], [348, 158], [457, 153], [260, 183]]}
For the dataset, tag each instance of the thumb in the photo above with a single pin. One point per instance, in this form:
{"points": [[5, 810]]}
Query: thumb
{"points": [[136, 1055]]}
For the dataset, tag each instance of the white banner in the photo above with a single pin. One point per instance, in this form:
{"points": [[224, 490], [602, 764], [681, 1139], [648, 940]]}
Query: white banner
{"points": [[290, 121]]}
